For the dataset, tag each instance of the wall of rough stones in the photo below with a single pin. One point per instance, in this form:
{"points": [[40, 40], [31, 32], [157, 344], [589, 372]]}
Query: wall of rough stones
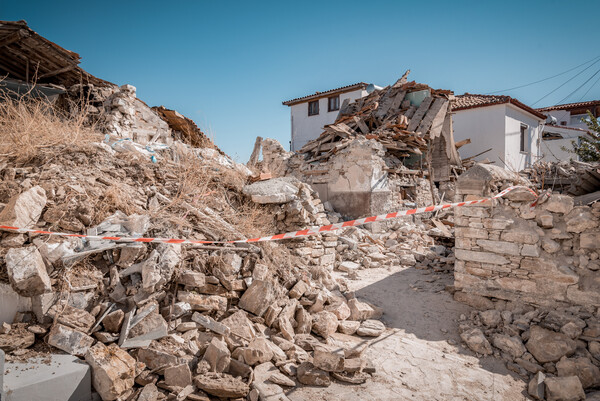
{"points": [[548, 256]]}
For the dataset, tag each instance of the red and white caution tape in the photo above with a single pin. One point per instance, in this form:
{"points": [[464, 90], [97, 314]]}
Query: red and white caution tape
{"points": [[294, 234]]}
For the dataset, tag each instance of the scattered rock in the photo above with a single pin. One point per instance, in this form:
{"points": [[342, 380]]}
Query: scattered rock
{"points": [[371, 328], [475, 340], [564, 389], [113, 370], [27, 271], [549, 346], [312, 376]]}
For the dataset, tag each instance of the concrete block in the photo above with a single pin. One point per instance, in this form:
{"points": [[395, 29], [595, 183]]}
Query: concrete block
{"points": [[11, 303], [65, 377]]}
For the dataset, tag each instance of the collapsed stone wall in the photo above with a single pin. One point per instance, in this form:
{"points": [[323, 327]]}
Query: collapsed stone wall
{"points": [[547, 256]]}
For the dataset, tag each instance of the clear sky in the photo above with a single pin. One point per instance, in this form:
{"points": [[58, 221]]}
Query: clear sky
{"points": [[228, 65]]}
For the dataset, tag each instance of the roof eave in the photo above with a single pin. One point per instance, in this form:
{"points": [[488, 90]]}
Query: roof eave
{"points": [[344, 89]]}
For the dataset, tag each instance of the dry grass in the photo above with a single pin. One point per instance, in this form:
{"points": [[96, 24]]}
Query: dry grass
{"points": [[32, 127]]}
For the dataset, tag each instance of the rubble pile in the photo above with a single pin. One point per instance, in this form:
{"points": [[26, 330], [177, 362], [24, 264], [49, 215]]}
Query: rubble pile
{"points": [[169, 321], [557, 350], [580, 179]]}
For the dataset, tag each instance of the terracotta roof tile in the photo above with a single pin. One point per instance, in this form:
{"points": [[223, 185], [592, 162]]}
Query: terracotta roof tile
{"points": [[471, 101], [569, 106], [316, 95]]}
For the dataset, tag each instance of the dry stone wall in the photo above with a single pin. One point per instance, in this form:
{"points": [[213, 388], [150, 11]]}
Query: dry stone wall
{"points": [[548, 256]]}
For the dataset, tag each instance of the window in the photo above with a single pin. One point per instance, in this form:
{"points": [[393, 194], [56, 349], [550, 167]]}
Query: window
{"points": [[313, 108], [523, 137], [333, 103]]}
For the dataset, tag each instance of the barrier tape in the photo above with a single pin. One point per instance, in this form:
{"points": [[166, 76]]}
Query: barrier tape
{"points": [[294, 234]]}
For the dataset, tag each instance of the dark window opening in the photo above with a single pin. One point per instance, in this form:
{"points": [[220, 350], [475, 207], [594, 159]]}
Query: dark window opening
{"points": [[523, 134], [333, 103], [313, 108]]}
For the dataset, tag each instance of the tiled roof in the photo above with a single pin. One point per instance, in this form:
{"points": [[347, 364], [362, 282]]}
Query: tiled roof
{"points": [[317, 95], [471, 101], [569, 106]]}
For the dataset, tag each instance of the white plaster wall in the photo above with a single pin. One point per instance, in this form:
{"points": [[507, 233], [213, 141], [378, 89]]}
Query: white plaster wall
{"points": [[485, 127], [560, 115], [552, 150], [515, 159], [305, 128]]}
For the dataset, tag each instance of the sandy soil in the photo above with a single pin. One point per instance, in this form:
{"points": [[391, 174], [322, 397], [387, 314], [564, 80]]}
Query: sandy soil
{"points": [[420, 356]]}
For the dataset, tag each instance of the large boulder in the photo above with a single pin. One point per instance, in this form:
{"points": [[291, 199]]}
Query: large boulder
{"points": [[549, 346], [583, 368], [564, 389]]}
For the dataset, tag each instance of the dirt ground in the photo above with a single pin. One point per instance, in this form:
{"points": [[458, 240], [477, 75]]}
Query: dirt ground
{"points": [[420, 356]]}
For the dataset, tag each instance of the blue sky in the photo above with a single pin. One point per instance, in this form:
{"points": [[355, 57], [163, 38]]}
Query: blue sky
{"points": [[228, 65]]}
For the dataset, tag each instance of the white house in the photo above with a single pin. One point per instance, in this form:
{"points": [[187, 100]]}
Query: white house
{"points": [[570, 115], [309, 114], [557, 140], [511, 129]]}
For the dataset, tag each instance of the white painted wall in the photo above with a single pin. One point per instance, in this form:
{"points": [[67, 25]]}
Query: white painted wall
{"points": [[573, 121], [485, 127], [515, 159], [551, 149], [305, 128]]}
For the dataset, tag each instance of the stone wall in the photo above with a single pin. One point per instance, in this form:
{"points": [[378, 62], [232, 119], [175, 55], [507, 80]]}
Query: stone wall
{"points": [[547, 256]]}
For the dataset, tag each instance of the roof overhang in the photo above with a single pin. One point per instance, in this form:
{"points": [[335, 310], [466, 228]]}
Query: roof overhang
{"points": [[331, 92], [511, 101]]}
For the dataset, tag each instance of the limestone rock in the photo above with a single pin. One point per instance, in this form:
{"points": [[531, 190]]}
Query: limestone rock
{"points": [[27, 271], [579, 220], [299, 289], [155, 359], [178, 375], [257, 297], [113, 370], [192, 278], [241, 328], [328, 358], [559, 204], [258, 351], [475, 340], [217, 355], [340, 309], [324, 324], [304, 321], [564, 389], [276, 190], [69, 340], [491, 318], [371, 328], [583, 368], [221, 385], [24, 210], [476, 301], [310, 375], [348, 326], [363, 310], [536, 386], [549, 346], [513, 346], [112, 322]]}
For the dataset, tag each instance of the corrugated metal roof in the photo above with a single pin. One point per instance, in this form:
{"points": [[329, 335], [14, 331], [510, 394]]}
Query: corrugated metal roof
{"points": [[317, 95]]}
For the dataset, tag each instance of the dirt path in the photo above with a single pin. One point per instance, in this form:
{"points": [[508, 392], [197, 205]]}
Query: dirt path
{"points": [[420, 356]]}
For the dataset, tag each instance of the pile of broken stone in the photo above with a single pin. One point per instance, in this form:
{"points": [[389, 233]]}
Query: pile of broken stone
{"points": [[158, 321], [557, 349]]}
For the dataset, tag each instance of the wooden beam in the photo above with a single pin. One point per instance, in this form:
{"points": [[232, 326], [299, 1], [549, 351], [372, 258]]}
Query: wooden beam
{"points": [[416, 119], [59, 71], [14, 37], [462, 143], [436, 112]]}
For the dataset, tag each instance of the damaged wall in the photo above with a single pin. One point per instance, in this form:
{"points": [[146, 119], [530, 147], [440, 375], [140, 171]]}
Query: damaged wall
{"points": [[548, 256]]}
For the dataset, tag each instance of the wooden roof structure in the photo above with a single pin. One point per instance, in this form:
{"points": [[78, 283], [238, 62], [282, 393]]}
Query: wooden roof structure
{"points": [[31, 58]]}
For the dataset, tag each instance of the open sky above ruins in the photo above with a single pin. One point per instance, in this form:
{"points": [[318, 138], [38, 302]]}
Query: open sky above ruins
{"points": [[228, 65]]}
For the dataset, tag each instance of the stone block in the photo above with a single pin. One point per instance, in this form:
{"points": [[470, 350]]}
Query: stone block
{"points": [[559, 204], [178, 375], [69, 340], [469, 232], [113, 370], [257, 297], [564, 389], [503, 247], [549, 346], [530, 250], [27, 271], [521, 236], [590, 240], [481, 257], [24, 210]]}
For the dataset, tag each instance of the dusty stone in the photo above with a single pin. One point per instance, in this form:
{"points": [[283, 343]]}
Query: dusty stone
{"points": [[590, 240], [536, 386], [281, 379], [588, 373], [257, 297], [530, 250], [156, 359], [179, 375], [149, 393], [241, 328], [113, 370], [112, 322], [299, 289], [24, 210], [491, 318], [27, 271], [550, 245], [258, 351], [563, 389], [348, 326], [221, 385], [348, 266], [513, 346], [476, 341], [571, 329], [580, 219], [304, 321], [16, 339], [363, 310], [476, 301], [545, 220], [69, 340], [340, 309], [559, 204], [76, 318], [480, 257], [204, 303], [521, 236], [217, 355], [328, 358], [549, 346], [192, 278], [594, 348], [371, 328], [324, 323], [508, 248], [312, 376]]}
